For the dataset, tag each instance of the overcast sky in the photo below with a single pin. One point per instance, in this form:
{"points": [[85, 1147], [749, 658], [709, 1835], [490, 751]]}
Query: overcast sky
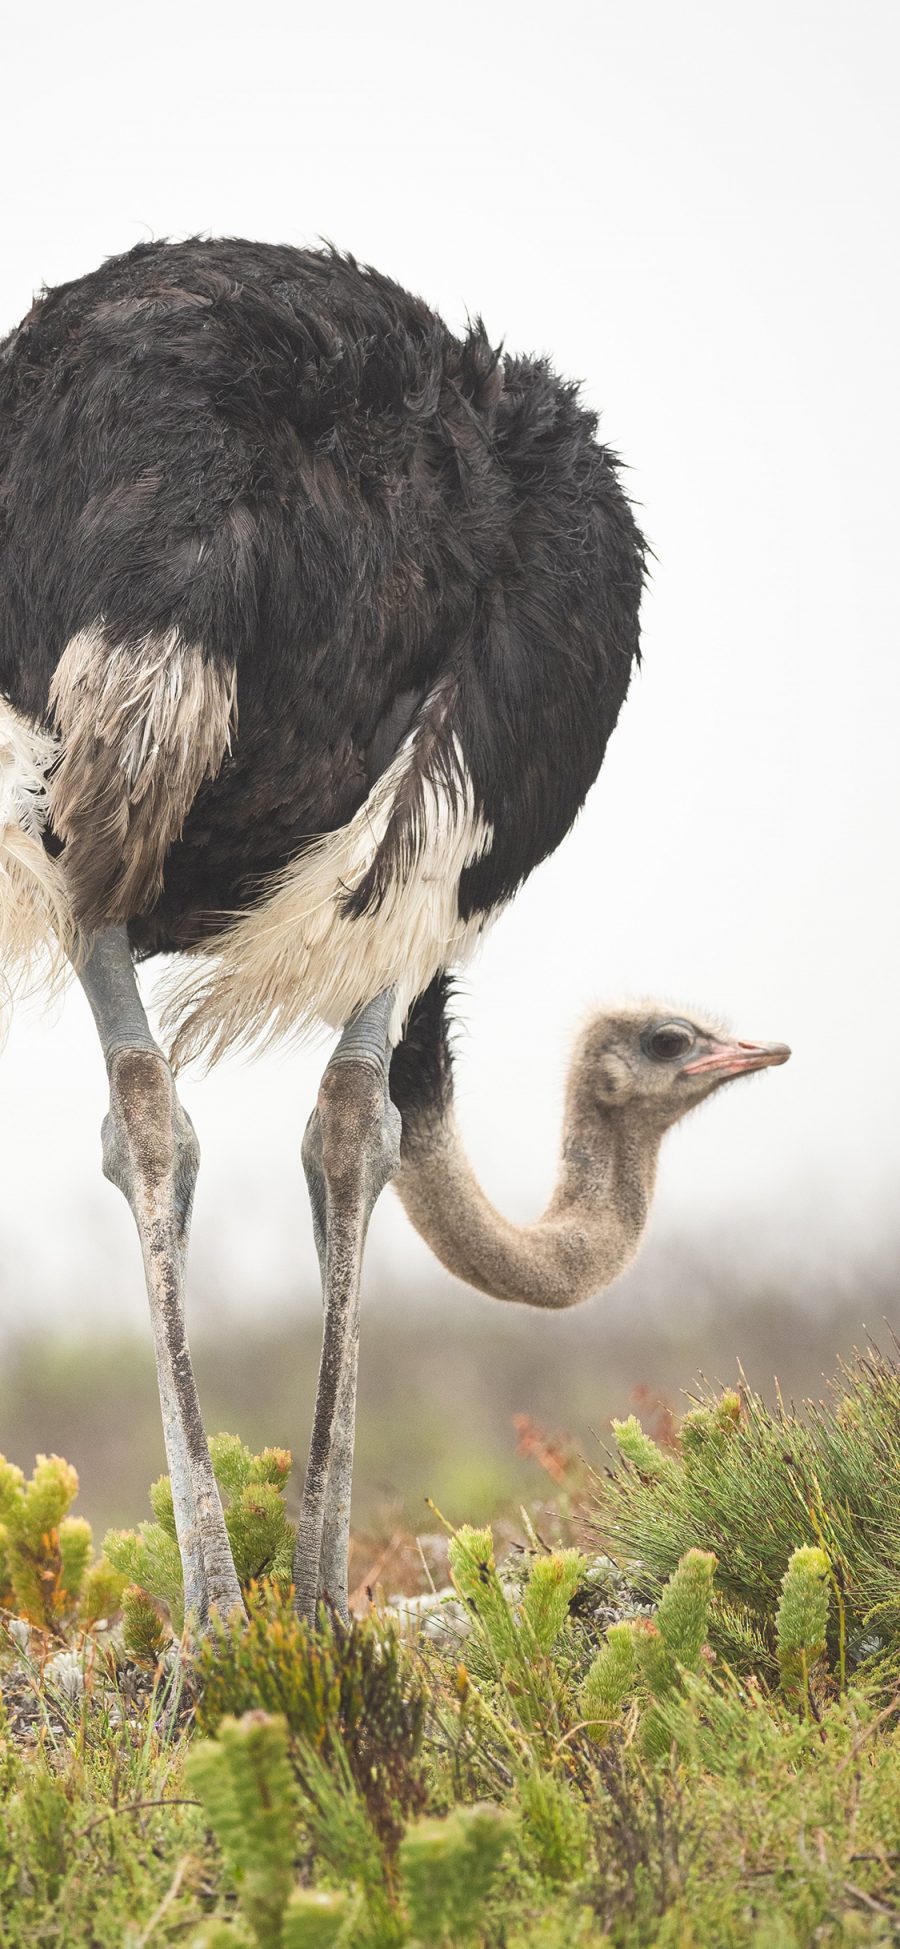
{"points": [[692, 208]]}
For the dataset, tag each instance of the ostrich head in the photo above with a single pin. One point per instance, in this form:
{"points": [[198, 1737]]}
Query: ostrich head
{"points": [[653, 1063], [634, 1071]]}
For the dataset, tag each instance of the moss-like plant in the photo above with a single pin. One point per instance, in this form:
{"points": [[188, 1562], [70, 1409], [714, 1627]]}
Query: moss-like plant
{"points": [[553, 1833], [148, 1559], [671, 1644], [713, 1421], [315, 1832], [644, 1657], [515, 1631], [473, 1569], [245, 1783], [644, 1454], [518, 1633], [682, 1618], [447, 1869], [802, 1619], [145, 1627], [647, 1658], [547, 1597], [609, 1681]]}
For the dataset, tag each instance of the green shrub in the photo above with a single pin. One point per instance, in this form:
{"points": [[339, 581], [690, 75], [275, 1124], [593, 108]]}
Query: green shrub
{"points": [[609, 1681], [444, 1872], [144, 1624], [644, 1454], [755, 1484], [552, 1583], [46, 1575], [342, 1690], [259, 1530], [553, 1831], [447, 1868], [245, 1783], [518, 1633], [802, 1618]]}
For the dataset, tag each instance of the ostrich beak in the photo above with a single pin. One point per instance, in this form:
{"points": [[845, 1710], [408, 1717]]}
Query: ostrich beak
{"points": [[738, 1058]]}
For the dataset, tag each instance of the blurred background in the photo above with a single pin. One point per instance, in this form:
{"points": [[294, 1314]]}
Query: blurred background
{"points": [[693, 210]]}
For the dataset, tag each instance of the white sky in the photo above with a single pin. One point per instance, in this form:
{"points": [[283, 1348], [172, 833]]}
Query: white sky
{"points": [[692, 207]]}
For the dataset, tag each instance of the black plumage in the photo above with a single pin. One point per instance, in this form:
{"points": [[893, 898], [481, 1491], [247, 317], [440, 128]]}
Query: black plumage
{"points": [[293, 463]]}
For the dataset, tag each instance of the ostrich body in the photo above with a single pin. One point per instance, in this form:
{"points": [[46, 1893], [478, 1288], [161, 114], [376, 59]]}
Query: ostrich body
{"points": [[315, 621]]}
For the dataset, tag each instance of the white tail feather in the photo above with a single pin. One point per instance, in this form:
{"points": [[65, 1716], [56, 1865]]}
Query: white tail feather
{"points": [[299, 959], [36, 931]]}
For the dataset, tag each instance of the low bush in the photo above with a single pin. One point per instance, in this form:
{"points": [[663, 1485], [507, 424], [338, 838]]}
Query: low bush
{"points": [[47, 1577], [753, 1485], [259, 1531]]}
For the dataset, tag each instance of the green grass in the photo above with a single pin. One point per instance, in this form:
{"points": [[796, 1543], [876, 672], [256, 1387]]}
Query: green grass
{"points": [[679, 1728]]}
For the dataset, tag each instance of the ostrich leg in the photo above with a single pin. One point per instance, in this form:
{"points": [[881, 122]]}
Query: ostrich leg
{"points": [[350, 1150], [150, 1151]]}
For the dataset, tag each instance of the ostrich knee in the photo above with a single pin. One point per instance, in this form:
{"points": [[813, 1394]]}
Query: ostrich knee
{"points": [[360, 1132], [150, 1147]]}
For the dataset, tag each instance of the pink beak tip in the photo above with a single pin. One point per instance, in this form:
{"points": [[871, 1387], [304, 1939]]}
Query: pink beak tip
{"points": [[771, 1053], [740, 1058]]}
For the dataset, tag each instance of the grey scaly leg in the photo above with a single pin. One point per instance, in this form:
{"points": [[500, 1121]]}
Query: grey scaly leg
{"points": [[350, 1150], [150, 1151], [335, 1546]]}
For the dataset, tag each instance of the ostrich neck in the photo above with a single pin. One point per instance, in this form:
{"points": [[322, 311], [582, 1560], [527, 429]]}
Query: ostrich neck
{"points": [[586, 1237]]}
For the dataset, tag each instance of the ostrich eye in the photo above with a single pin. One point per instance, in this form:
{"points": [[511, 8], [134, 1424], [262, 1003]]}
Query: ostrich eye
{"points": [[667, 1043]]}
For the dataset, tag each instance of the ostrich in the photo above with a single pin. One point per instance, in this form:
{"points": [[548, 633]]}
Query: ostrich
{"points": [[315, 621]]}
